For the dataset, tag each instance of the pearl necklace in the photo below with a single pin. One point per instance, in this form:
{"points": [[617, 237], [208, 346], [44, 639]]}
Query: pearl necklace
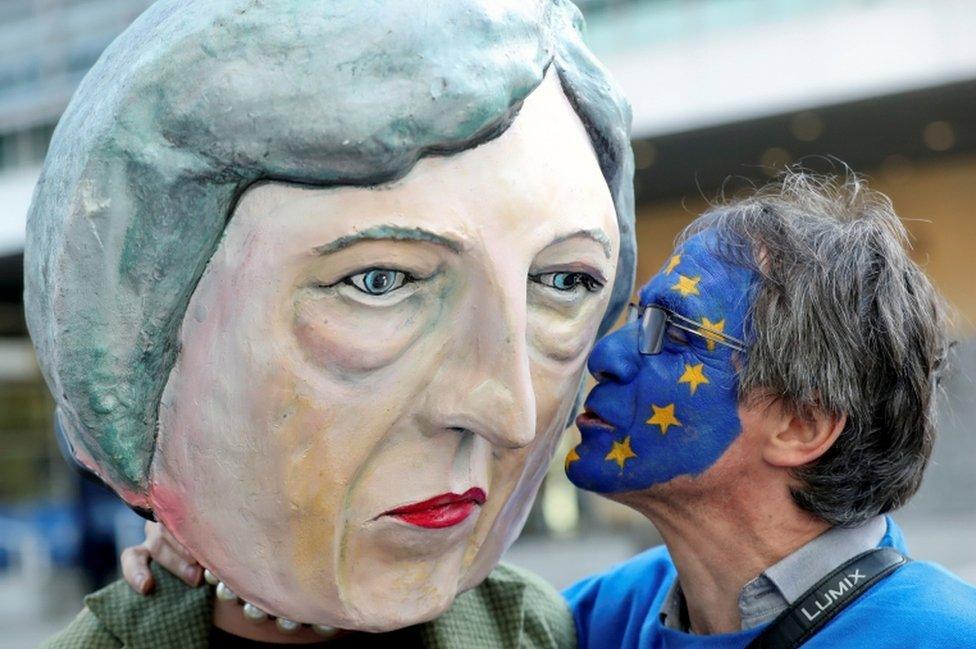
{"points": [[256, 615]]}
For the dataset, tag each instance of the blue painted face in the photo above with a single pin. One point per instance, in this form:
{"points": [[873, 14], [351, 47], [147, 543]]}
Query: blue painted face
{"points": [[652, 418]]}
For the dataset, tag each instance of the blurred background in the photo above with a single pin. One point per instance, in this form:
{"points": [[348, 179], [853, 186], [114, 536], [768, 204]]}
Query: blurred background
{"points": [[725, 92]]}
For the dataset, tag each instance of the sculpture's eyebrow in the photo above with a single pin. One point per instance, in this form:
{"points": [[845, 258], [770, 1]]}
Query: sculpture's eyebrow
{"points": [[389, 233], [596, 234]]}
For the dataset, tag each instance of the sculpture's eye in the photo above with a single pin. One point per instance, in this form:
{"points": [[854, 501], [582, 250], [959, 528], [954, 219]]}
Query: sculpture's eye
{"points": [[568, 281], [378, 281]]}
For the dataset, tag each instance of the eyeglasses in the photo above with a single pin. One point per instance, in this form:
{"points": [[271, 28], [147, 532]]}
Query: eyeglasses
{"points": [[654, 321]]}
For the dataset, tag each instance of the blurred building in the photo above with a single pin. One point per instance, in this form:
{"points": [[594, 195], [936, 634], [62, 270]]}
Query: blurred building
{"points": [[725, 92]]}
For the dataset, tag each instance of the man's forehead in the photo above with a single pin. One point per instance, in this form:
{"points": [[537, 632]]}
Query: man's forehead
{"points": [[696, 272]]}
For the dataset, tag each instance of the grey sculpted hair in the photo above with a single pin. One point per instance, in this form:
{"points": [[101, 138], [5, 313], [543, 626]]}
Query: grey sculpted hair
{"points": [[842, 320], [198, 100]]}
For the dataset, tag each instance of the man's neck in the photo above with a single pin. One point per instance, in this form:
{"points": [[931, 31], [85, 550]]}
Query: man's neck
{"points": [[719, 545]]}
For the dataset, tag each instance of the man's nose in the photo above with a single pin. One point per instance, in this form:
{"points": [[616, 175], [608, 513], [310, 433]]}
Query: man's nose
{"points": [[484, 385], [616, 358]]}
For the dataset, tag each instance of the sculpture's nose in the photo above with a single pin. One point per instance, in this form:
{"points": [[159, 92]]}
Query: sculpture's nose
{"points": [[485, 384]]}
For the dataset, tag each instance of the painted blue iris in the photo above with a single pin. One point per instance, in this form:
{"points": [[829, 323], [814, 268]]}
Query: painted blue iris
{"points": [[652, 418], [378, 281]]}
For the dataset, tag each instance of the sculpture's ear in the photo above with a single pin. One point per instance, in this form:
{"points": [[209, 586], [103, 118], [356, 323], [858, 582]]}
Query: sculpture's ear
{"points": [[68, 453]]}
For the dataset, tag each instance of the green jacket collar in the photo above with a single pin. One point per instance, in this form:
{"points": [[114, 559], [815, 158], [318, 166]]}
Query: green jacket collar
{"points": [[174, 615]]}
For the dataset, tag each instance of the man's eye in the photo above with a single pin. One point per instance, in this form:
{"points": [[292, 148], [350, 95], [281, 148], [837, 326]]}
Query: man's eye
{"points": [[568, 281], [676, 335], [378, 281]]}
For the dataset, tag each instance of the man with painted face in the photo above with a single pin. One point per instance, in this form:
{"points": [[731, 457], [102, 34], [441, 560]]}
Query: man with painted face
{"points": [[769, 403]]}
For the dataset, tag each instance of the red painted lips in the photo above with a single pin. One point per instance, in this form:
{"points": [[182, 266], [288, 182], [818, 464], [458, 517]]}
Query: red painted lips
{"points": [[441, 511]]}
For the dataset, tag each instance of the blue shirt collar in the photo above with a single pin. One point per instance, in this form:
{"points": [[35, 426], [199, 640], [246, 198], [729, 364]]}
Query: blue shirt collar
{"points": [[772, 592]]}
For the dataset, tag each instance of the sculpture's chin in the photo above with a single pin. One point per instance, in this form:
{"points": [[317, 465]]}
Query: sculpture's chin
{"points": [[386, 606], [398, 601], [384, 619]]}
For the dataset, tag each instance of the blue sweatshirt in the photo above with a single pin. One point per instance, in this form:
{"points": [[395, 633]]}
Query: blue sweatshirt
{"points": [[920, 605]]}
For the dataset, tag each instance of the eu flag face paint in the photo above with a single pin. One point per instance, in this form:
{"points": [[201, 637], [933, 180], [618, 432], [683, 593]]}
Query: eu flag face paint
{"points": [[655, 417]]}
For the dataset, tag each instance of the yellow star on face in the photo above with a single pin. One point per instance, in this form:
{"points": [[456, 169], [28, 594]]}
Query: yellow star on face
{"points": [[687, 285], [571, 457], [672, 264], [621, 452], [710, 337], [694, 376], [664, 417]]}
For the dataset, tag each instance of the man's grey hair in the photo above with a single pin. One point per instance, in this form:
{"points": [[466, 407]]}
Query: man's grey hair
{"points": [[842, 321]]}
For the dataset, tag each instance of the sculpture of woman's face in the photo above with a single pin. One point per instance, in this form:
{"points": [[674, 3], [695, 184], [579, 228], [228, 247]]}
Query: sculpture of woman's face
{"points": [[372, 380]]}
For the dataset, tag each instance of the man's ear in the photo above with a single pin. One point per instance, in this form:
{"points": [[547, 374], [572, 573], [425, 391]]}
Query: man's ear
{"points": [[800, 438]]}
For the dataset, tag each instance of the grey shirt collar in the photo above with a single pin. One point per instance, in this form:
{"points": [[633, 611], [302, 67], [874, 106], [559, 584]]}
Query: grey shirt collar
{"points": [[773, 591]]}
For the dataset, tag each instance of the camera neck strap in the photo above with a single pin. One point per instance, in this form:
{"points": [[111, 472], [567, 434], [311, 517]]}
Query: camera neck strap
{"points": [[831, 595]]}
